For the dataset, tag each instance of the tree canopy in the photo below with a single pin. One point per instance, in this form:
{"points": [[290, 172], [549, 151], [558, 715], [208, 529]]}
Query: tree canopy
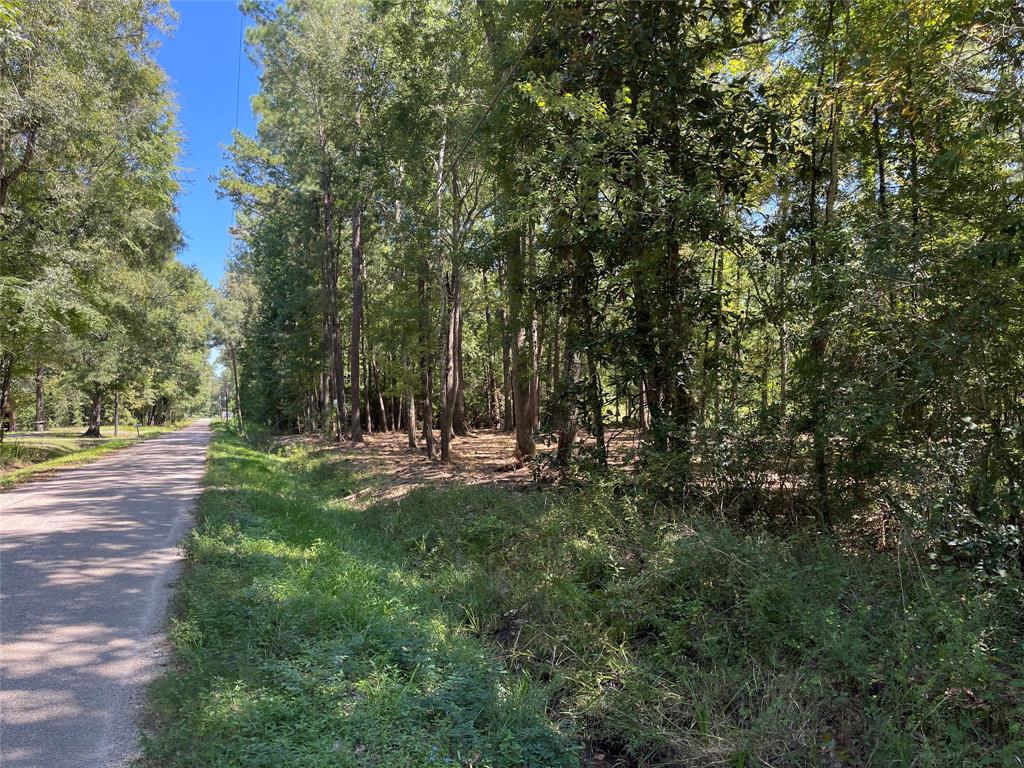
{"points": [[94, 305]]}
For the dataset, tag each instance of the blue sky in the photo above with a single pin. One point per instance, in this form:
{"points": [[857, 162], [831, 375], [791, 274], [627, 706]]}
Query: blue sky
{"points": [[201, 58]]}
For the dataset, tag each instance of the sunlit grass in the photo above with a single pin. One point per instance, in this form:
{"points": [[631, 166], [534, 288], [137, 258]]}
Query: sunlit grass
{"points": [[481, 626], [304, 640]]}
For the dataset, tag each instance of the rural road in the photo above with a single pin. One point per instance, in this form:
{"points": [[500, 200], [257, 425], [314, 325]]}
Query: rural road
{"points": [[86, 561]]}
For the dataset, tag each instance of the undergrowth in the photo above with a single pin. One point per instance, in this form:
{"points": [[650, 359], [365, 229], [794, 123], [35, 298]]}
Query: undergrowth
{"points": [[680, 642]]}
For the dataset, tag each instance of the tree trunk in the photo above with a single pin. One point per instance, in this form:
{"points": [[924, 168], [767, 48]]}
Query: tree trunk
{"points": [[40, 424], [95, 414], [780, 300], [426, 366], [357, 319], [556, 355], [6, 366], [329, 280], [410, 408], [534, 338], [459, 415], [384, 425], [233, 354], [596, 398], [490, 389], [522, 326], [450, 308], [641, 407], [507, 410], [537, 329], [117, 412], [718, 278], [565, 408], [367, 387]]}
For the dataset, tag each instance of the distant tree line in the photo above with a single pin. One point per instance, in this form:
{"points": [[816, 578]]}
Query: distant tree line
{"points": [[98, 320]]}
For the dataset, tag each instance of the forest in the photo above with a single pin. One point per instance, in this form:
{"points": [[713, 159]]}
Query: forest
{"points": [[740, 281], [99, 322], [779, 241]]}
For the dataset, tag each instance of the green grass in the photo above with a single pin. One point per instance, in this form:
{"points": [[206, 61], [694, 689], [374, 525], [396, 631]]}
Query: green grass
{"points": [[478, 626], [302, 639], [679, 642], [28, 454]]}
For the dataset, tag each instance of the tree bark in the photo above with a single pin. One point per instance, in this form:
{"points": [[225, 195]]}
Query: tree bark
{"points": [[40, 425], [490, 389], [410, 407], [367, 387], [578, 332], [233, 354], [95, 414], [565, 408], [384, 425], [6, 366], [329, 279], [507, 411], [356, 427], [521, 319], [596, 398], [537, 330], [459, 415], [534, 337], [117, 412], [426, 366], [450, 305], [641, 406]]}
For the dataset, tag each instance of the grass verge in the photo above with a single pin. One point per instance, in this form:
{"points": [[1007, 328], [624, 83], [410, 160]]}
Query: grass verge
{"points": [[479, 626], [25, 457], [302, 639]]}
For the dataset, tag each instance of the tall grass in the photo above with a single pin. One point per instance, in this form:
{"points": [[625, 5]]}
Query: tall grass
{"points": [[477, 626], [680, 642]]}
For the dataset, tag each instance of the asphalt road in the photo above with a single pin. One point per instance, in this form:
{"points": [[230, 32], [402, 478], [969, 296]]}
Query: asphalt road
{"points": [[86, 561]]}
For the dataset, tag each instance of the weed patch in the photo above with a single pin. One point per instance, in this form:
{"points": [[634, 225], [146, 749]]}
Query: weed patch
{"points": [[675, 642]]}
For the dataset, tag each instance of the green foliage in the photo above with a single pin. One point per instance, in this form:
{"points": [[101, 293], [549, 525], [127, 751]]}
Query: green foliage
{"points": [[90, 289], [685, 643], [785, 237], [303, 641], [782, 241]]}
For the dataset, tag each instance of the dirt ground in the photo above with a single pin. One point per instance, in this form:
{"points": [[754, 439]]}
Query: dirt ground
{"points": [[483, 456]]}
